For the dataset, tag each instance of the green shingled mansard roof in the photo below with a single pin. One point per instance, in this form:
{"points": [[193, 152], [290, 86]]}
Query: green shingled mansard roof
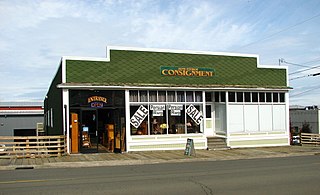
{"points": [[142, 68]]}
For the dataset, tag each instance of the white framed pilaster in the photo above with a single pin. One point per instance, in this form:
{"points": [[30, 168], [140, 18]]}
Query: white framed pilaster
{"points": [[66, 118]]}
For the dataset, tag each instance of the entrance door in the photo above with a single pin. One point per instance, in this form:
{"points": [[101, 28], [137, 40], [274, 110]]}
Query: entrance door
{"points": [[89, 131]]}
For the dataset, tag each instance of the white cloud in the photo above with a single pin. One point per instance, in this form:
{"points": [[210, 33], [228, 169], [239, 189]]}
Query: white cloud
{"points": [[34, 34]]}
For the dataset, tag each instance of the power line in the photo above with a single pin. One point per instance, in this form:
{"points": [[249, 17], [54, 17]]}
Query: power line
{"points": [[309, 75], [281, 31], [303, 93]]}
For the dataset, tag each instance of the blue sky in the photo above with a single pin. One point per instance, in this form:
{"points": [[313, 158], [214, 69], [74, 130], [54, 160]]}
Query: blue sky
{"points": [[35, 34]]}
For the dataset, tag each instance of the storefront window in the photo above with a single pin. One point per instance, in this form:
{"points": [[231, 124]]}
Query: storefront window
{"points": [[164, 112], [176, 119], [158, 119], [139, 120]]}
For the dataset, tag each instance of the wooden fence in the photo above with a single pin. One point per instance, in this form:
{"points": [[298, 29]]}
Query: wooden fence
{"points": [[32, 146], [310, 139]]}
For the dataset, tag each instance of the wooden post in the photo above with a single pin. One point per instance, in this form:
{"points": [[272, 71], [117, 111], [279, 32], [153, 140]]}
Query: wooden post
{"points": [[59, 147]]}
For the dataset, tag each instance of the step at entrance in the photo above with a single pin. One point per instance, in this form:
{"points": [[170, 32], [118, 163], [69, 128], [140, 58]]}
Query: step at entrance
{"points": [[215, 143]]}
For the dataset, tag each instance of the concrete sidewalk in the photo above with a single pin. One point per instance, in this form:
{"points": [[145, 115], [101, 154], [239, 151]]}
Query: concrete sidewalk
{"points": [[151, 157]]}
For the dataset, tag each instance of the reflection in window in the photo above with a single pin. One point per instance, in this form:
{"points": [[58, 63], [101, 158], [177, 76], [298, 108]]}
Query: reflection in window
{"points": [[275, 97], [208, 96], [198, 96], [282, 98], [239, 97], [143, 96], [232, 97], [171, 96], [254, 97], [247, 96], [153, 96], [161, 96], [133, 96], [262, 97], [180, 96], [190, 96], [268, 97]]}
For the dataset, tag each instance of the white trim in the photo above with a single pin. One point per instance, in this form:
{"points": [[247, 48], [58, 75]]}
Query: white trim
{"points": [[124, 48], [153, 87], [65, 117]]}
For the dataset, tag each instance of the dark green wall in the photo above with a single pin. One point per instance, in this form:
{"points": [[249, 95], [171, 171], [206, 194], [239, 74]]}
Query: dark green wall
{"points": [[143, 69], [54, 101]]}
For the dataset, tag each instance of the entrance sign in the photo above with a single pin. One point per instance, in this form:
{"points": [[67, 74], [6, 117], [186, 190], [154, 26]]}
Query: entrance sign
{"points": [[195, 114], [139, 116], [96, 101]]}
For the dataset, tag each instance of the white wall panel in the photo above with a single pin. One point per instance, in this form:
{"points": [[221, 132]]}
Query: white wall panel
{"points": [[251, 118], [265, 118], [236, 118], [279, 117]]}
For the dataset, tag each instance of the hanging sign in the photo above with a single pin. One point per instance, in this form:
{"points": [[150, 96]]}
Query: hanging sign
{"points": [[175, 109], [195, 114], [139, 116], [96, 101], [157, 109]]}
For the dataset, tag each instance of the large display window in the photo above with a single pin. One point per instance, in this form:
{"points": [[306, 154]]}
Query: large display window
{"points": [[166, 112]]}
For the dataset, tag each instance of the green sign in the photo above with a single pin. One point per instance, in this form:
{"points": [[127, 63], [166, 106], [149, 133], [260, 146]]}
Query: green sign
{"points": [[188, 72]]}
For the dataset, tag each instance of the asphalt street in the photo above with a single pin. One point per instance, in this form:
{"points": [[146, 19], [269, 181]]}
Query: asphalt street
{"points": [[281, 175]]}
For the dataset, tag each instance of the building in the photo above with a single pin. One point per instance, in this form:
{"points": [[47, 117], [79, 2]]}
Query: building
{"points": [[305, 119], [21, 118], [154, 99]]}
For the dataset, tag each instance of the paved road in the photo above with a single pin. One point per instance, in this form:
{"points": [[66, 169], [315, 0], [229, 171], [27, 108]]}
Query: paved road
{"points": [[290, 175]]}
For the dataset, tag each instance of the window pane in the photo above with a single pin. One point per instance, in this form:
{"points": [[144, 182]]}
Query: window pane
{"points": [[254, 97], [223, 96], [208, 111], [282, 97], [133, 96], [143, 127], [158, 121], [239, 96], [180, 96], [190, 96], [171, 96], [268, 97], [192, 127], [232, 96], [153, 96], [275, 97], [176, 119], [262, 97], [208, 96], [247, 97], [198, 96], [143, 96], [161, 96], [216, 96]]}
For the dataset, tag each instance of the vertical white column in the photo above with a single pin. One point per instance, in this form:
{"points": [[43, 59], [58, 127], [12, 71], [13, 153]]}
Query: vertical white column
{"points": [[65, 116], [127, 114], [227, 118]]}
